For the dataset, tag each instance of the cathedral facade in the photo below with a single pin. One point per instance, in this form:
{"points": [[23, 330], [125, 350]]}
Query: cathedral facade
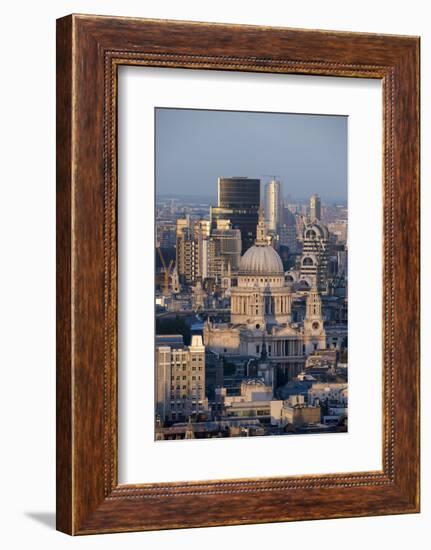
{"points": [[261, 318]]}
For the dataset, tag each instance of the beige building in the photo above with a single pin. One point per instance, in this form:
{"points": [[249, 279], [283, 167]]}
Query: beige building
{"points": [[334, 392], [254, 402], [315, 208], [180, 378], [273, 205], [294, 411], [192, 250]]}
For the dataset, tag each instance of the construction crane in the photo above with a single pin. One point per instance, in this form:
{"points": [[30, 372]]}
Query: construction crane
{"points": [[167, 270]]}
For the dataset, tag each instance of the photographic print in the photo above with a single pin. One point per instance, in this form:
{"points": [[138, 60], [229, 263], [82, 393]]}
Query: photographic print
{"points": [[251, 274]]}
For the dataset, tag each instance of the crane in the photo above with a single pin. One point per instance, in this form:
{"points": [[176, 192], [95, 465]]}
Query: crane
{"points": [[166, 272]]}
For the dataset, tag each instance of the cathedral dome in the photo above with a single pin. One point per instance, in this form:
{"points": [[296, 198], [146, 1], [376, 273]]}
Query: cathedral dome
{"points": [[261, 260]]}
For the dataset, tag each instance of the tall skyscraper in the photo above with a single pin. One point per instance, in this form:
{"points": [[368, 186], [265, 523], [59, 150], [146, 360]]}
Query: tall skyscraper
{"points": [[238, 202], [273, 205], [315, 208]]}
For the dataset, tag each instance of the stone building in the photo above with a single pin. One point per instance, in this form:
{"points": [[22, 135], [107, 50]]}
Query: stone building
{"points": [[261, 314], [253, 401], [331, 393], [315, 256], [180, 378], [294, 411], [192, 250], [314, 331]]}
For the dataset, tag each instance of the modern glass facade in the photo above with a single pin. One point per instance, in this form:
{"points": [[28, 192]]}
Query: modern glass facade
{"points": [[238, 202]]}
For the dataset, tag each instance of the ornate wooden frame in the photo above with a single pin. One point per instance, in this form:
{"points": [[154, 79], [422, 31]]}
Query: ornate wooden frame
{"points": [[89, 51]]}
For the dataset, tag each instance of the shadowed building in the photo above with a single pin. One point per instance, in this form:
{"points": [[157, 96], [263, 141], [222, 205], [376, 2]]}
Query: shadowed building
{"points": [[224, 253], [238, 202]]}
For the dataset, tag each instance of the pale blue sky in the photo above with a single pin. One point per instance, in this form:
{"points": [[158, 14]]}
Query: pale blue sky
{"points": [[194, 147]]}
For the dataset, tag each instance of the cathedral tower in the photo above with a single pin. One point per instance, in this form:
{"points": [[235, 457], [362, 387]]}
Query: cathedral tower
{"points": [[314, 332]]}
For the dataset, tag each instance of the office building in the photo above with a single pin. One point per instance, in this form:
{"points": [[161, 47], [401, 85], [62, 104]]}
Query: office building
{"points": [[238, 202], [273, 206], [192, 250], [315, 208], [224, 252], [180, 378], [288, 231], [185, 252]]}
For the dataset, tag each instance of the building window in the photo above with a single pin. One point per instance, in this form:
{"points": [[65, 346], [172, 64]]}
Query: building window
{"points": [[257, 349]]}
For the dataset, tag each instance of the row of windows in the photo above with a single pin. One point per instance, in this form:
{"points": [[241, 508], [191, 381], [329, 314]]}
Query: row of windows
{"points": [[194, 403], [262, 280], [250, 412], [184, 367], [184, 388]]}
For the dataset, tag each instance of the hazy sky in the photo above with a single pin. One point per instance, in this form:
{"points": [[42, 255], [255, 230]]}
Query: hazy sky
{"points": [[194, 147]]}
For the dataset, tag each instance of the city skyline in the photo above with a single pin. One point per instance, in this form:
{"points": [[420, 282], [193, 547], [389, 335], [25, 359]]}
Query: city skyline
{"points": [[250, 288], [307, 153]]}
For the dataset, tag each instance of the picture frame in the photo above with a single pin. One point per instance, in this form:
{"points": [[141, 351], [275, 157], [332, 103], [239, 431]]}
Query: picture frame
{"points": [[89, 51]]}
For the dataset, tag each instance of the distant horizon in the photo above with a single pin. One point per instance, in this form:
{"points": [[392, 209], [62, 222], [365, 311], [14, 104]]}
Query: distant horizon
{"points": [[307, 153], [212, 199]]}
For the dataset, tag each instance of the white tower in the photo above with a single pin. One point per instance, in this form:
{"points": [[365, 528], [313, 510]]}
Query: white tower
{"points": [[314, 332], [315, 208], [273, 205]]}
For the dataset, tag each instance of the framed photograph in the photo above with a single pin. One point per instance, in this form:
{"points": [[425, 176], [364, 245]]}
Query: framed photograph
{"points": [[237, 274]]}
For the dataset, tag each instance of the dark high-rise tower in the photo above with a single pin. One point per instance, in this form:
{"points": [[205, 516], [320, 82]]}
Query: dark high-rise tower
{"points": [[238, 202]]}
